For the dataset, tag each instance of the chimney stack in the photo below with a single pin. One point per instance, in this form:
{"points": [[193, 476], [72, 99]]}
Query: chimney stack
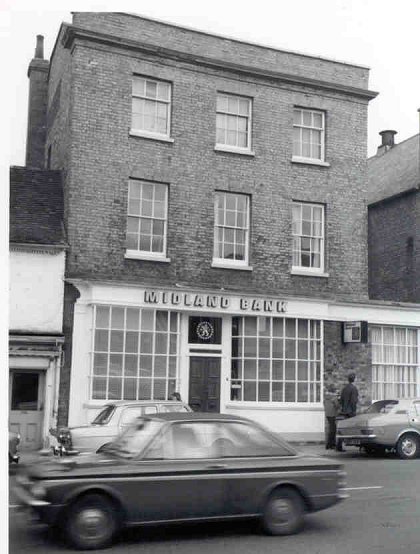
{"points": [[387, 141], [39, 50], [37, 111]]}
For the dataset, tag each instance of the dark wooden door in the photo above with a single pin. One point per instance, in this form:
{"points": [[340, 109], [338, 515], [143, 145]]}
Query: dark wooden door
{"points": [[204, 395]]}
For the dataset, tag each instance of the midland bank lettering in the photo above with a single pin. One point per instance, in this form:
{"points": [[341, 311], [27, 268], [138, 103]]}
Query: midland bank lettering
{"points": [[187, 299]]}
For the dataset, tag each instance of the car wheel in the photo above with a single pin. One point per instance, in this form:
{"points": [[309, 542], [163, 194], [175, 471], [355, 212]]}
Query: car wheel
{"points": [[408, 447], [91, 522], [283, 513], [103, 448]]}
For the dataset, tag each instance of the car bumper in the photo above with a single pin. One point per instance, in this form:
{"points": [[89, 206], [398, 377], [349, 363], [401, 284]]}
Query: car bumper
{"points": [[353, 439], [40, 509]]}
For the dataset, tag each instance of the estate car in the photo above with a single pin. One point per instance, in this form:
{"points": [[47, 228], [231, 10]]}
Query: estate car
{"points": [[112, 419], [387, 424]]}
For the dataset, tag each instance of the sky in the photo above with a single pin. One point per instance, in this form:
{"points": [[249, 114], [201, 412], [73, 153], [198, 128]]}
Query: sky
{"points": [[380, 34]]}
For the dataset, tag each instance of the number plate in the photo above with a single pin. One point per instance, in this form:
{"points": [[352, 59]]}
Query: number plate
{"points": [[353, 442]]}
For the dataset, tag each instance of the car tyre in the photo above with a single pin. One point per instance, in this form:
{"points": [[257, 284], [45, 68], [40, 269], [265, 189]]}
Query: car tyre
{"points": [[283, 512], [91, 522], [408, 447]]}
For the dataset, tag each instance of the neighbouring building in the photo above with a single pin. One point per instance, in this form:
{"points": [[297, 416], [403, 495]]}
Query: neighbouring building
{"points": [[394, 220], [36, 276], [215, 210]]}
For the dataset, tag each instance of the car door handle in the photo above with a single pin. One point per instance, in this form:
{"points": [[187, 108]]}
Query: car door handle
{"points": [[217, 466]]}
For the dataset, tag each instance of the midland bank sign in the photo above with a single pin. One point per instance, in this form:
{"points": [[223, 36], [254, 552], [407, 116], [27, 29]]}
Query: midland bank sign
{"points": [[213, 302]]}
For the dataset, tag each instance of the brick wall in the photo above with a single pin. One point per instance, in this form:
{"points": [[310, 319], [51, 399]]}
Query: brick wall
{"points": [[102, 157], [234, 51], [341, 359], [393, 249]]}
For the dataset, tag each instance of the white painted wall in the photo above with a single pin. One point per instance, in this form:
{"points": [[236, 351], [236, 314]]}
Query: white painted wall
{"points": [[36, 291]]}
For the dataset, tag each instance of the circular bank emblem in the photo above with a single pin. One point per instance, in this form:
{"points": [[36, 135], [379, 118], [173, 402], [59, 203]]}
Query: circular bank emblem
{"points": [[205, 330]]}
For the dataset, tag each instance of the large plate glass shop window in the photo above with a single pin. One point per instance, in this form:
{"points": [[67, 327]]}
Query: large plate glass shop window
{"points": [[276, 360], [205, 330]]}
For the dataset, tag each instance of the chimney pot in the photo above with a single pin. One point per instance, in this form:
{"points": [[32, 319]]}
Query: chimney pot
{"points": [[388, 138], [39, 50]]}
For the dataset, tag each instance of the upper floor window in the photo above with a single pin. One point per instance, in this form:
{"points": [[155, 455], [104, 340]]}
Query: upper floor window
{"points": [[309, 134], [151, 107], [233, 122], [308, 237], [147, 218], [231, 229]]}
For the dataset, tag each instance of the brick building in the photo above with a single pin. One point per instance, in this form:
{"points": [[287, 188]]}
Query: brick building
{"points": [[394, 220], [215, 209]]}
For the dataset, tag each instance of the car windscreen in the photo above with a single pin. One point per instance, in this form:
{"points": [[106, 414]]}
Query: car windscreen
{"points": [[134, 439], [104, 415], [382, 407]]}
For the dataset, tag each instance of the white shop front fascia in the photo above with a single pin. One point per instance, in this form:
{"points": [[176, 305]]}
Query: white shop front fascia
{"points": [[256, 356]]}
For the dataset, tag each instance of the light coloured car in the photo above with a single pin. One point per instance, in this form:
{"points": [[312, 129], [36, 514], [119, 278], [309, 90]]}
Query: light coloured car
{"points": [[112, 420], [14, 440], [386, 425]]}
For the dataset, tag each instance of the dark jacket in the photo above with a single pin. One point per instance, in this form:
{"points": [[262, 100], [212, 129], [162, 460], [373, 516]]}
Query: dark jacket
{"points": [[349, 397]]}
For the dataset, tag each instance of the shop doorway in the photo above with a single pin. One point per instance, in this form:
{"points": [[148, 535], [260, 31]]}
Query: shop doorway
{"points": [[26, 415], [204, 391]]}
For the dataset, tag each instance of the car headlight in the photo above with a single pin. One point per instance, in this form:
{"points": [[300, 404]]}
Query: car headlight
{"points": [[64, 437], [38, 491]]}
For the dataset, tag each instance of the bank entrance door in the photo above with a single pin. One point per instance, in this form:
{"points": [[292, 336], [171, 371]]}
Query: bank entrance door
{"points": [[26, 407], [204, 392]]}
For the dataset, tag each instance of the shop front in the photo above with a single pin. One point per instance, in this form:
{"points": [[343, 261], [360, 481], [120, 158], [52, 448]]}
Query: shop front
{"points": [[263, 358]]}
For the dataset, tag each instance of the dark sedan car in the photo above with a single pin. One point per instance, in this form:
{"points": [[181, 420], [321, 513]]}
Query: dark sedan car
{"points": [[178, 467]]}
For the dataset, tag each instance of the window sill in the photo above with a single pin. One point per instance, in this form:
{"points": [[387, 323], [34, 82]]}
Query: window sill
{"points": [[151, 136], [233, 150], [309, 273], [133, 255], [309, 161], [222, 265], [307, 407]]}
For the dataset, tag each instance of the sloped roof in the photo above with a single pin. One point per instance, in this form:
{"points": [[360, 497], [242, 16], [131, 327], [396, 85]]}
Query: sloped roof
{"points": [[394, 172], [36, 207]]}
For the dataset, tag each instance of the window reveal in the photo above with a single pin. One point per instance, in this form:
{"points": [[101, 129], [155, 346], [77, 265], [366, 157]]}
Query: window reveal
{"points": [[308, 236], [151, 106], [309, 134]]}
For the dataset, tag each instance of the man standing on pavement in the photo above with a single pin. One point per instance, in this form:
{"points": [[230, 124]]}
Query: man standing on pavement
{"points": [[331, 408], [348, 399]]}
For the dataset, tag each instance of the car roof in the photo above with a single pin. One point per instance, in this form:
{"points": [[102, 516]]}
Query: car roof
{"points": [[196, 416], [140, 402]]}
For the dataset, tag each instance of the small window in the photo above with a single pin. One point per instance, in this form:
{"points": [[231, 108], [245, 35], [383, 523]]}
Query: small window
{"points": [[233, 122], [231, 230], [308, 237], [309, 134], [147, 218], [151, 106], [129, 414]]}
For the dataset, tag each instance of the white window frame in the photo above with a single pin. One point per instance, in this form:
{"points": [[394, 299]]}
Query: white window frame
{"points": [[172, 330], [227, 262], [314, 360], [309, 159], [146, 254], [300, 269], [224, 146], [388, 361], [144, 132]]}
